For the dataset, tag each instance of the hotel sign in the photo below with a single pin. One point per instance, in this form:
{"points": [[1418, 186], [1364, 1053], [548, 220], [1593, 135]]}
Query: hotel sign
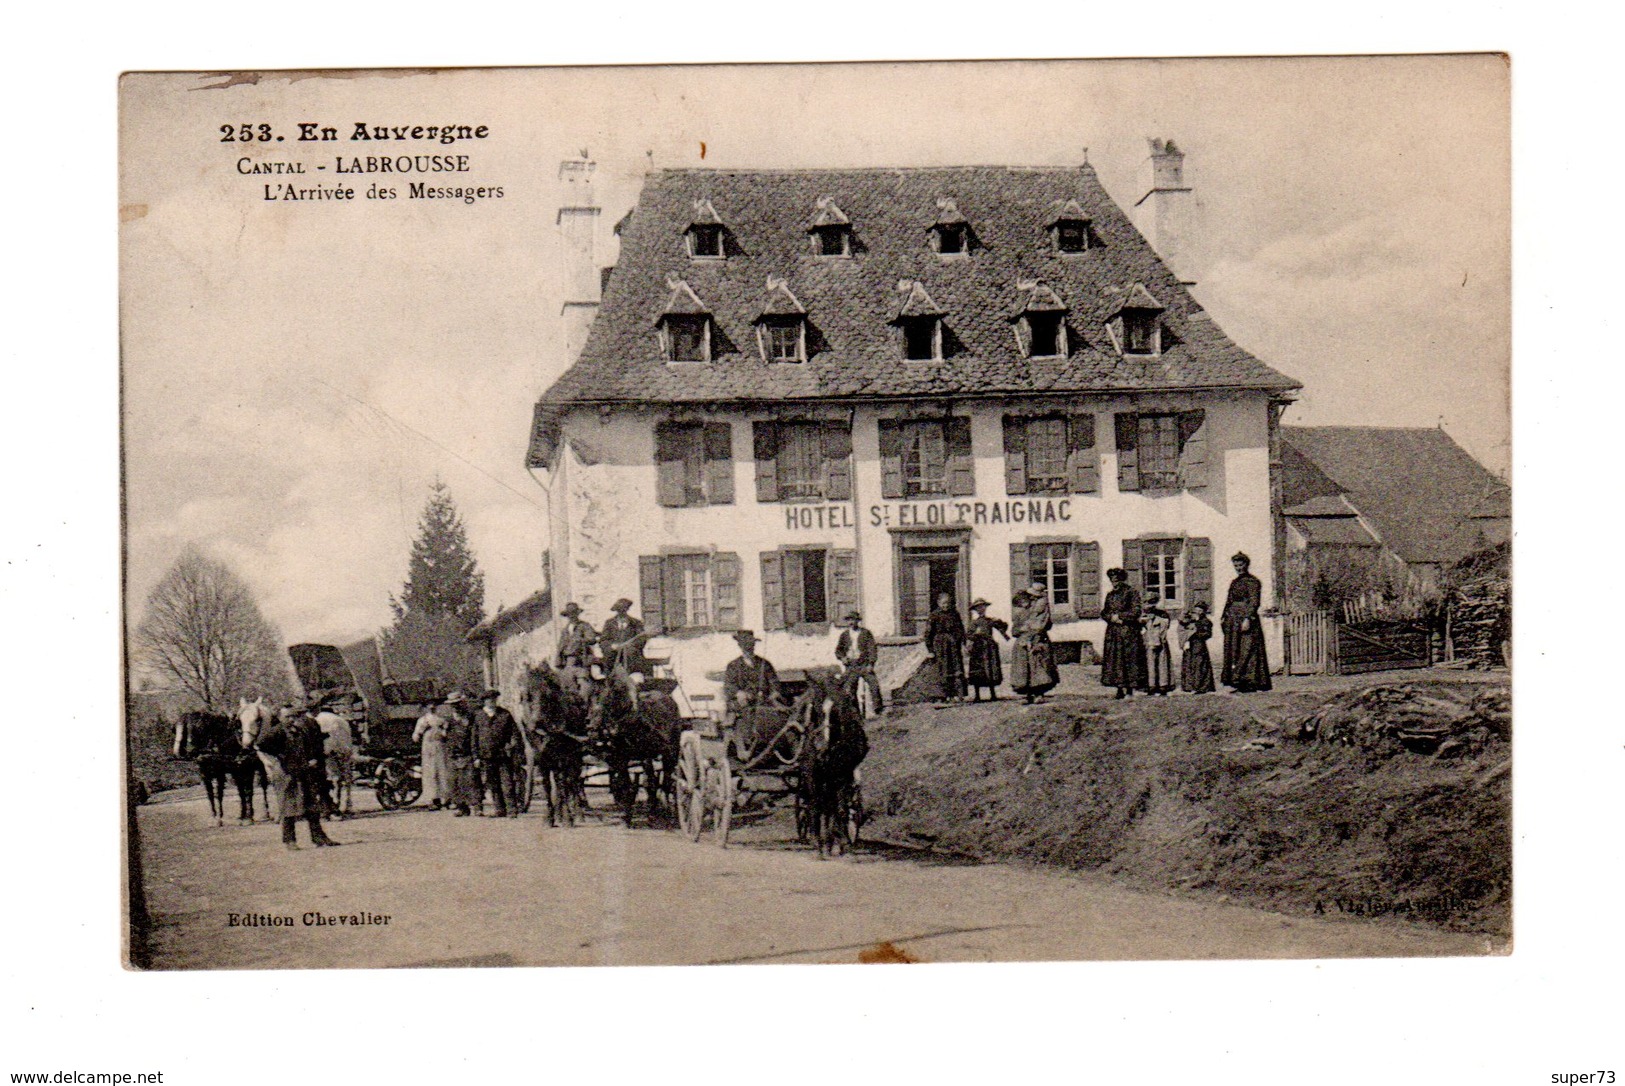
{"points": [[937, 514]]}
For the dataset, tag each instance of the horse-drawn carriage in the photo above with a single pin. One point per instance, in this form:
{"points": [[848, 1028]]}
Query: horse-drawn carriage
{"points": [[382, 712], [807, 753]]}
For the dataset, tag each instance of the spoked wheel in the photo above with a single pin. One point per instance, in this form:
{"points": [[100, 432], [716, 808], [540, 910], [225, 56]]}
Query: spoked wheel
{"points": [[686, 794], [721, 793], [394, 786]]}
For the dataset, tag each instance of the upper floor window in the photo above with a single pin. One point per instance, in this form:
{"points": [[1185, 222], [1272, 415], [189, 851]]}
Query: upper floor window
{"points": [[685, 325], [694, 464], [1162, 450], [950, 234], [922, 338], [1050, 454], [926, 458], [1069, 228], [1136, 326], [1040, 322], [803, 461], [1044, 331], [705, 241], [781, 324]]}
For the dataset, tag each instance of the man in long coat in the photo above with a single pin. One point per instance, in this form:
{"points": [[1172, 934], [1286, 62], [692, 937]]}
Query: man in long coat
{"points": [[749, 683], [294, 739], [465, 789], [576, 649], [1246, 668], [495, 733]]}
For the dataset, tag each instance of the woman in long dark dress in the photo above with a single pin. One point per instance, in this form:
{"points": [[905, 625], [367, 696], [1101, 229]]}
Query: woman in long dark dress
{"points": [[945, 640], [1032, 660], [1195, 665], [1122, 664], [985, 668], [1246, 668]]}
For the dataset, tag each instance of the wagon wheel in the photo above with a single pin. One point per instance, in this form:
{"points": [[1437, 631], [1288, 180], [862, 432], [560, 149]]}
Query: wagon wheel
{"points": [[687, 796], [722, 791], [390, 785]]}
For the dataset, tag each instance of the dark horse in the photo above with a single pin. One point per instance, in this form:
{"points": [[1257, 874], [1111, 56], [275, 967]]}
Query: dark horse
{"points": [[833, 745], [211, 740], [642, 733], [555, 733]]}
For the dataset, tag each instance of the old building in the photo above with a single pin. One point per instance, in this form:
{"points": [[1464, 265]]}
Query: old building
{"points": [[810, 391]]}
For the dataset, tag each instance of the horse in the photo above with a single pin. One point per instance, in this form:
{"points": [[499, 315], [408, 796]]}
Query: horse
{"points": [[254, 717], [338, 743], [627, 733], [554, 728], [833, 745], [211, 741]]}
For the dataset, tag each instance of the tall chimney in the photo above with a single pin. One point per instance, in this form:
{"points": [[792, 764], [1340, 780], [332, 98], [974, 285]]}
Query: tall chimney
{"points": [[1166, 213], [578, 228]]}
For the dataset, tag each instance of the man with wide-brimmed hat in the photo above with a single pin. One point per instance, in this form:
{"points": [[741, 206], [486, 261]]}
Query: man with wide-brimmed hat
{"points": [[295, 740], [622, 650], [495, 733], [576, 654], [749, 683], [858, 652]]}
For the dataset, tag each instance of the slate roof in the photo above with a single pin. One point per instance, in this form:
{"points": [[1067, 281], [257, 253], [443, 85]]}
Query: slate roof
{"points": [[534, 608], [1338, 531], [851, 300], [1417, 487]]}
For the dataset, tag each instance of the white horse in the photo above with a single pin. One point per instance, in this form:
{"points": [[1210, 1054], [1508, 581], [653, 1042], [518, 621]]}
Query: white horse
{"points": [[254, 717], [339, 745]]}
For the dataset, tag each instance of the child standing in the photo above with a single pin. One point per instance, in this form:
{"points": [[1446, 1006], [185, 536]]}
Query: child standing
{"points": [[1159, 661], [1195, 665]]}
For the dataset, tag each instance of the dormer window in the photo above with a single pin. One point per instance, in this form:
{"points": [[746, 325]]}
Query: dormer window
{"points": [[688, 338], [950, 234], [830, 230], [1136, 327], [1040, 322], [706, 233], [1069, 229], [918, 322], [705, 242], [781, 324], [684, 325]]}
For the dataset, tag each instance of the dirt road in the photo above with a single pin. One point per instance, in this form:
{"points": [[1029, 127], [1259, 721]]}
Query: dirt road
{"points": [[476, 891]]}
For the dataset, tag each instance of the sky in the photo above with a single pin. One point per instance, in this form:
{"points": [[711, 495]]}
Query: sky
{"points": [[296, 376]]}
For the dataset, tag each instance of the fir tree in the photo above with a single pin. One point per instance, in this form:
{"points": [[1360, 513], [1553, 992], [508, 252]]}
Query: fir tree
{"points": [[442, 578]]}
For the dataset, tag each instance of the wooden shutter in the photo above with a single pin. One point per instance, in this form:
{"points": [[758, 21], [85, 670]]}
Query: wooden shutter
{"points": [[1198, 571], [795, 585], [719, 463], [765, 441], [1134, 566], [891, 459], [961, 465], [773, 590], [837, 462], [1082, 461], [1021, 568], [669, 488], [671, 586], [1015, 455], [650, 593], [843, 583], [725, 591], [1128, 459], [1086, 579], [1193, 449]]}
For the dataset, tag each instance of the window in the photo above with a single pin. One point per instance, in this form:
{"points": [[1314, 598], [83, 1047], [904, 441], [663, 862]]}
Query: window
{"points": [[1072, 236], [784, 339], [832, 240], [705, 241], [1051, 565], [922, 339], [1140, 332], [925, 459], [1159, 452], [810, 586], [689, 591], [1160, 565], [1044, 332], [688, 337], [803, 461], [1051, 454], [952, 239], [694, 464]]}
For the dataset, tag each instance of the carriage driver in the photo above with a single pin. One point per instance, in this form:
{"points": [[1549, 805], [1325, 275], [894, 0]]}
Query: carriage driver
{"points": [[575, 655], [858, 653], [749, 683]]}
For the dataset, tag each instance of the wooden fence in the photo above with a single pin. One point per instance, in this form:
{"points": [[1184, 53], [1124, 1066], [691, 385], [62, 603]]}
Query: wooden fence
{"points": [[1311, 643], [1316, 643]]}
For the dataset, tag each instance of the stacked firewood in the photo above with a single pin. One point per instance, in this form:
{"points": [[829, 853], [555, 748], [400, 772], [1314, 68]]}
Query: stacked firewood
{"points": [[1480, 621]]}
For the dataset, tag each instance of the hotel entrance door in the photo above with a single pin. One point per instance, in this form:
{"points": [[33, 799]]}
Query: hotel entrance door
{"points": [[926, 569]]}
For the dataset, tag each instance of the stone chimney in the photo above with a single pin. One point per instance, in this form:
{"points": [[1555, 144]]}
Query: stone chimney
{"points": [[1166, 213], [578, 230]]}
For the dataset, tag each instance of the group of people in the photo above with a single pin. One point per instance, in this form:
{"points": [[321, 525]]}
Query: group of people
{"points": [[469, 753], [1137, 657], [967, 655], [617, 648]]}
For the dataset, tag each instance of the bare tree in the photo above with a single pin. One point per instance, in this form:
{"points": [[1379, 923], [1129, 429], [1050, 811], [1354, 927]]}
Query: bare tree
{"points": [[203, 629]]}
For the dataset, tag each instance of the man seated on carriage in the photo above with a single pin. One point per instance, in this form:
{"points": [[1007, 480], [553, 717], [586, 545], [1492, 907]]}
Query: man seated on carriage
{"points": [[622, 640], [858, 653], [576, 653], [750, 685]]}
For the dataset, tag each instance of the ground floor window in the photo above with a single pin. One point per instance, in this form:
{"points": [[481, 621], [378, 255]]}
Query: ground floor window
{"points": [[1178, 570], [697, 591], [1068, 572], [807, 586]]}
